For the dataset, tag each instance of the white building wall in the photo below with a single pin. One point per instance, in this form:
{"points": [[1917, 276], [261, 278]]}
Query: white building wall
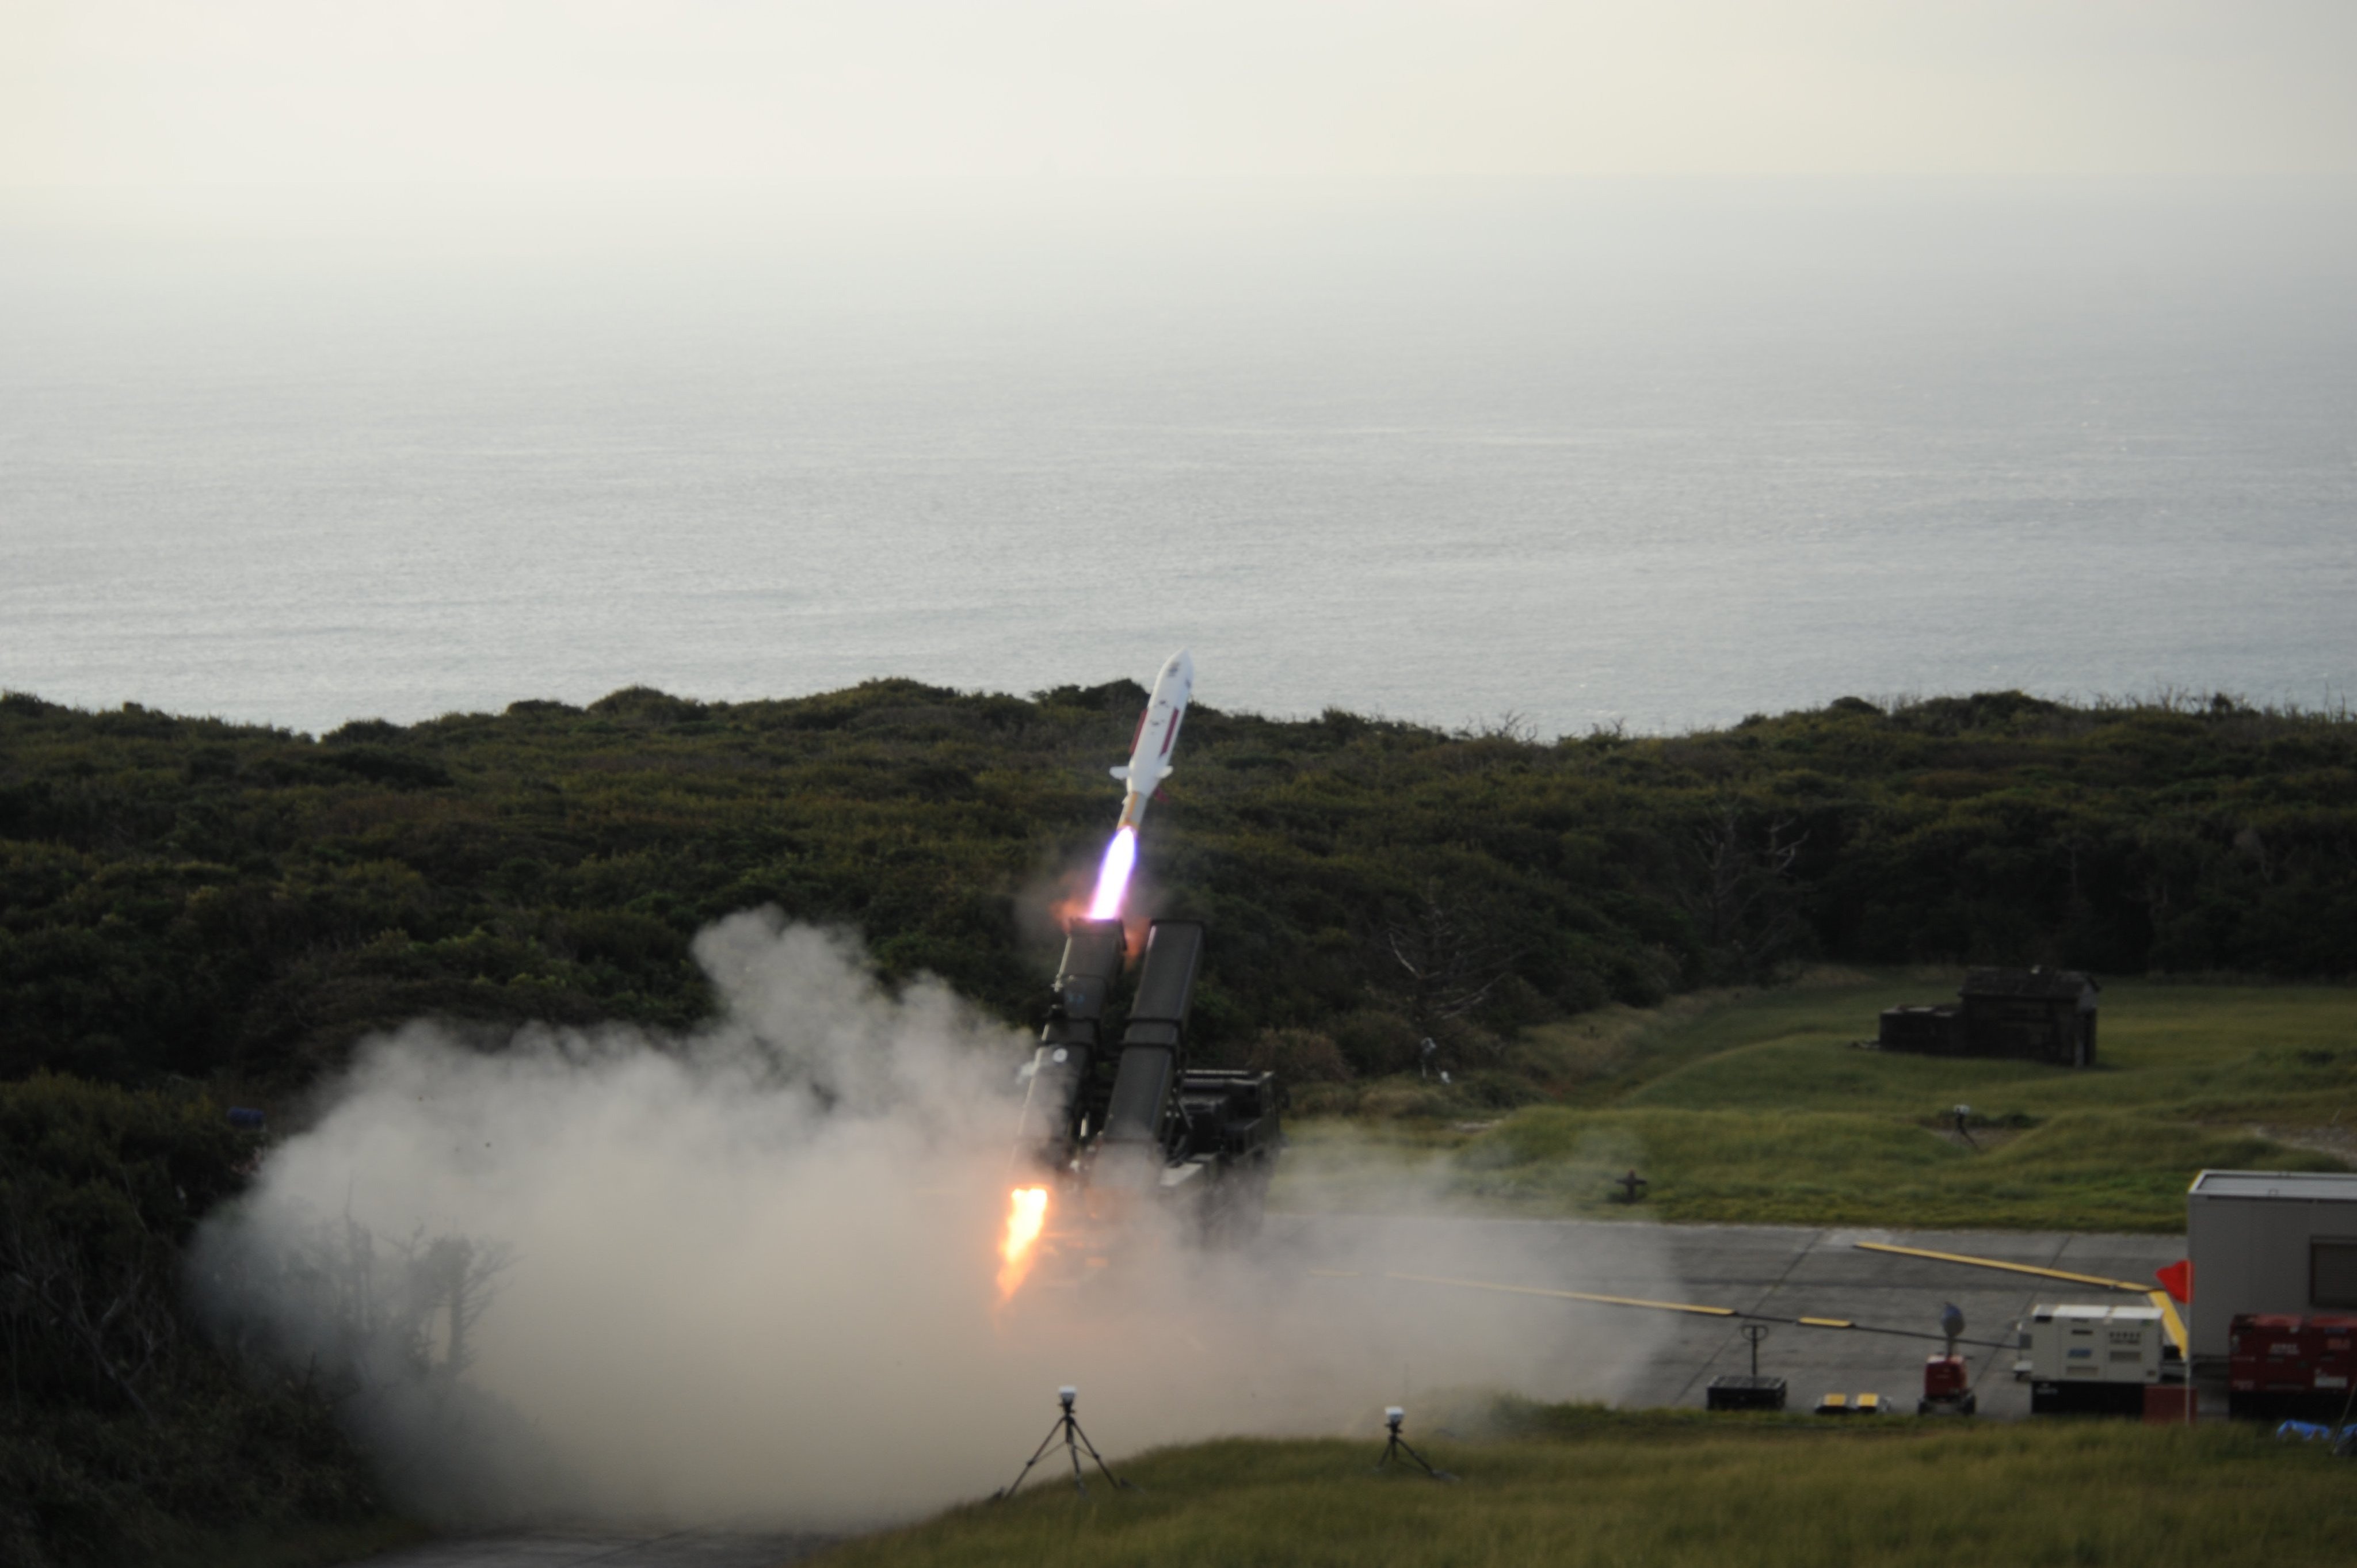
{"points": [[2248, 1238]]}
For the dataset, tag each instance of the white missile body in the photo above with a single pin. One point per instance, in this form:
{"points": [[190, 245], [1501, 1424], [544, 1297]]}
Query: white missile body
{"points": [[1158, 734]]}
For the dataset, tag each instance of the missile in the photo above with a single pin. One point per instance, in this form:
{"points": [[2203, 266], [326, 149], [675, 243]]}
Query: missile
{"points": [[1158, 733]]}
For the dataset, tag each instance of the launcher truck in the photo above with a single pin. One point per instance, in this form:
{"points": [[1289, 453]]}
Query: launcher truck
{"points": [[1113, 1122]]}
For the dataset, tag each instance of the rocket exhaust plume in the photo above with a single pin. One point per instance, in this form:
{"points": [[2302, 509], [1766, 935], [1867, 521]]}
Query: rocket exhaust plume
{"points": [[1027, 1211], [1112, 875], [743, 1274]]}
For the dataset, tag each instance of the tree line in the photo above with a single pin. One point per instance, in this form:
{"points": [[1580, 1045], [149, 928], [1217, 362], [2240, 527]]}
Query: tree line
{"points": [[205, 900]]}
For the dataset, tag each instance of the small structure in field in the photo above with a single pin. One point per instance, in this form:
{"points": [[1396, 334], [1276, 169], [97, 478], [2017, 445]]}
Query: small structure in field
{"points": [[2034, 1014]]}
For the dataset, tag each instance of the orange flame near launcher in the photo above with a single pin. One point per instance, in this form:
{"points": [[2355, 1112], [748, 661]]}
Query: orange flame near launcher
{"points": [[1026, 1212], [1113, 877]]}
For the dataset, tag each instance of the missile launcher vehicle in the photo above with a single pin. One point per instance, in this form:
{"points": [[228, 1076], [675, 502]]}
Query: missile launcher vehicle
{"points": [[1109, 1123]]}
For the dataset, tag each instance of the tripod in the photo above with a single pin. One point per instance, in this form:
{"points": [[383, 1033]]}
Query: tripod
{"points": [[1068, 1427], [1398, 1445]]}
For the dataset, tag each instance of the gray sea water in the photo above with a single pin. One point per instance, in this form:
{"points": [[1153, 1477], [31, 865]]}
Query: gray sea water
{"points": [[1661, 454]]}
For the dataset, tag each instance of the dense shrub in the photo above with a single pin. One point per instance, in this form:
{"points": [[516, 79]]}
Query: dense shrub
{"points": [[120, 1428]]}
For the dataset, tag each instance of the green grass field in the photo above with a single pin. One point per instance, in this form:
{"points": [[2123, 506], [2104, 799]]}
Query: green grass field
{"points": [[1666, 1490], [1756, 1108]]}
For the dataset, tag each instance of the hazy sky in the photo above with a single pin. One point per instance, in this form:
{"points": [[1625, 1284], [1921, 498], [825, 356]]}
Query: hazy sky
{"points": [[148, 91]]}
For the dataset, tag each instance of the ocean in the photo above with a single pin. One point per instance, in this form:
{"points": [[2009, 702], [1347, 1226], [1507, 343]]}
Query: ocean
{"points": [[1551, 457]]}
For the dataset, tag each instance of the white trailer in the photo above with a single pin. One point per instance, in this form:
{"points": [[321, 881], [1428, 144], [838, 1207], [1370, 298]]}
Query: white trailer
{"points": [[2268, 1242]]}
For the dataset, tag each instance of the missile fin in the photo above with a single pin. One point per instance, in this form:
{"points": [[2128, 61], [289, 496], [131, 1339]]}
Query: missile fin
{"points": [[1120, 773]]}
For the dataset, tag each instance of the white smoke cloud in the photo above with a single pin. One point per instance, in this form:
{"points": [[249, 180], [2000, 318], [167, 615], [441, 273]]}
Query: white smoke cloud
{"points": [[746, 1275]]}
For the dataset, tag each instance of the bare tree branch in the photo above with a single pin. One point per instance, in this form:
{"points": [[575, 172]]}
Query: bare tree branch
{"points": [[1739, 889], [1451, 960]]}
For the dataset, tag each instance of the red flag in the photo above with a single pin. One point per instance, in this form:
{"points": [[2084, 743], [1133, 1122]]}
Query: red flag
{"points": [[2177, 1280]]}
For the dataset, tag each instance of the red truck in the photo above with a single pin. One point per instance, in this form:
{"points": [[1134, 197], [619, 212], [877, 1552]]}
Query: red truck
{"points": [[2279, 1366]]}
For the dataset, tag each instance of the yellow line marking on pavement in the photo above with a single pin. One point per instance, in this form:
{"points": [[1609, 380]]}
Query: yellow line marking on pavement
{"points": [[1686, 1306], [2172, 1322], [2010, 1268], [1571, 1295]]}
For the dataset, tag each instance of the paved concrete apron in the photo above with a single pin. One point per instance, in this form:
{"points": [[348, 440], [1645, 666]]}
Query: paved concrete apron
{"points": [[1787, 1271]]}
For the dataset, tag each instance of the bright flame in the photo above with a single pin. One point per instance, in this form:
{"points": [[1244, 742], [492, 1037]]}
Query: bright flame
{"points": [[1113, 877], [1026, 1214]]}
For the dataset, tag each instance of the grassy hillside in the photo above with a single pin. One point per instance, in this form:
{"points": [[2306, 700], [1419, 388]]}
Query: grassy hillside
{"points": [[1759, 1108], [2192, 1052], [1668, 1492]]}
